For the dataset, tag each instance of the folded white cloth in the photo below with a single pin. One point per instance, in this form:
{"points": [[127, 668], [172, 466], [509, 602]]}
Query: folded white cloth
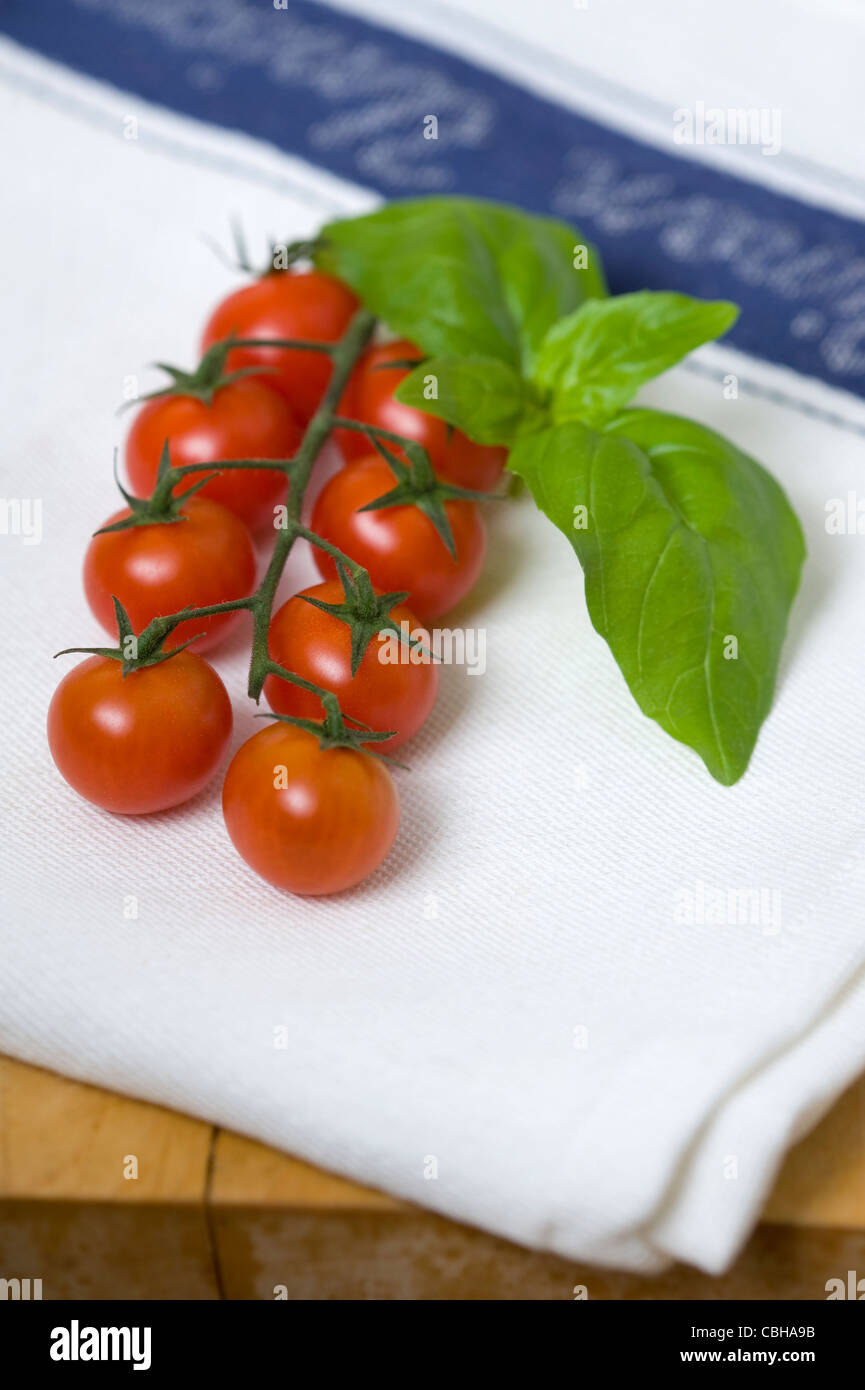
{"points": [[531, 1018]]}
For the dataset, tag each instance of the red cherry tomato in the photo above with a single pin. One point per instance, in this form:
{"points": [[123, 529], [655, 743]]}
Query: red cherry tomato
{"points": [[399, 546], [308, 819], [245, 419], [160, 568], [369, 397], [142, 742], [286, 304], [317, 646]]}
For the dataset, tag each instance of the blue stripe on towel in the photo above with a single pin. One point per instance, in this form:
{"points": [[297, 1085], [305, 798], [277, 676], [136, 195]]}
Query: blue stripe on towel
{"points": [[351, 97]]}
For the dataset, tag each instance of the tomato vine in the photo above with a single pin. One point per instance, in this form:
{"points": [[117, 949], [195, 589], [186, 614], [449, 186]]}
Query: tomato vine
{"points": [[364, 612]]}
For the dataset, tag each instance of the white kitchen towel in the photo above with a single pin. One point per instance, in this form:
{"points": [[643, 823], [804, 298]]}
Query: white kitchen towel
{"points": [[592, 996]]}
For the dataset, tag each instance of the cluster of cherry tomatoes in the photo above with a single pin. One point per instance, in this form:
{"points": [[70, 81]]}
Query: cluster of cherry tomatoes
{"points": [[306, 816]]}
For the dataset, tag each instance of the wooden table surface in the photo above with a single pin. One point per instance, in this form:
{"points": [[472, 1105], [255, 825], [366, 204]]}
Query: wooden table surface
{"points": [[213, 1215]]}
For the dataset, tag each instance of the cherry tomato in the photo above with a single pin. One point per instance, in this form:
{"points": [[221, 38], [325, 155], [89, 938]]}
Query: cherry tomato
{"points": [[317, 646], [308, 819], [142, 742], [245, 419], [369, 397], [163, 567], [399, 546], [286, 304]]}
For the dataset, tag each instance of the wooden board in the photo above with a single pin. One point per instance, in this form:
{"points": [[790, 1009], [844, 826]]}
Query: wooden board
{"points": [[106, 1197]]}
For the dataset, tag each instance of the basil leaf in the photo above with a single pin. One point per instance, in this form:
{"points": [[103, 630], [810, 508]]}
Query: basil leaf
{"points": [[483, 397], [461, 276], [592, 362], [692, 556]]}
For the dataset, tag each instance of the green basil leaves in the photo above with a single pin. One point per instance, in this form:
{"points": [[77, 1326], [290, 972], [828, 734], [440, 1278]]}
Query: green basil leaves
{"points": [[594, 361], [487, 399], [459, 276], [692, 556], [691, 552]]}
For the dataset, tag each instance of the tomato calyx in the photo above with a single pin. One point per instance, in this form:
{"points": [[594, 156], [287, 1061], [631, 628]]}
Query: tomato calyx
{"points": [[283, 255], [210, 375], [366, 612], [162, 507], [145, 648], [417, 483], [204, 381], [332, 731]]}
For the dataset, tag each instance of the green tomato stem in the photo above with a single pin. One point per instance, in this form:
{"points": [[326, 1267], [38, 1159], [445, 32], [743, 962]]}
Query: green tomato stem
{"points": [[298, 471], [300, 344]]}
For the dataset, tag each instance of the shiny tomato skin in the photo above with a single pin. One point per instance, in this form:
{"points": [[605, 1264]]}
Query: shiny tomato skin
{"points": [[399, 546], [245, 419], [144, 742], [157, 569], [317, 646], [286, 304], [310, 820], [369, 397]]}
